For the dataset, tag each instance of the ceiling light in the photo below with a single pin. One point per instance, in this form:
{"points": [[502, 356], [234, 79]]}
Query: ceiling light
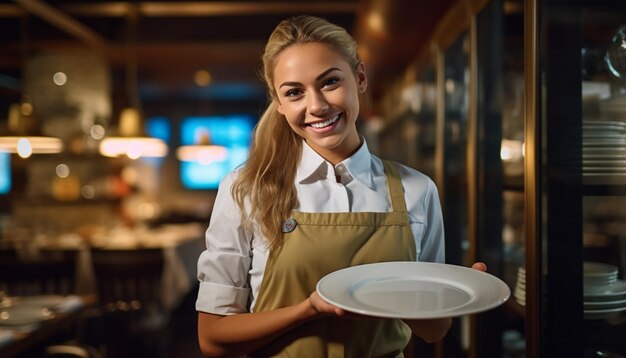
{"points": [[203, 152], [132, 141], [22, 136]]}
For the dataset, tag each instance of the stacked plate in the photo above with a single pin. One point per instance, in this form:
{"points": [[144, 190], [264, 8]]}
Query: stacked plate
{"points": [[604, 152], [604, 294], [520, 287]]}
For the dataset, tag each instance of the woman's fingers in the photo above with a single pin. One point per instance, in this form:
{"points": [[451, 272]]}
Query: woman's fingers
{"points": [[480, 266], [324, 307]]}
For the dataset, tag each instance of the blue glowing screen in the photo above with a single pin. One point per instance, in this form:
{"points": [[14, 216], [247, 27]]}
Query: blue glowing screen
{"points": [[232, 131], [159, 127], [5, 173]]}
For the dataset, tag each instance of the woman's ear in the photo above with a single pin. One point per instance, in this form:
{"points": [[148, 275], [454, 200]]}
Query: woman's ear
{"points": [[279, 108], [361, 78]]}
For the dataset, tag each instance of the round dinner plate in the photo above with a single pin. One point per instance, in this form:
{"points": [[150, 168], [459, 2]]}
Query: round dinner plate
{"points": [[613, 292], [602, 314], [413, 290]]}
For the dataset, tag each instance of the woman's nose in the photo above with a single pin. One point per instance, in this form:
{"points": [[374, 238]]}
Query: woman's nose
{"points": [[317, 104]]}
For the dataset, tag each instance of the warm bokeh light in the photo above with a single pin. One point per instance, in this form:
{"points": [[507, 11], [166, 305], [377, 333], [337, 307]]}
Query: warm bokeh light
{"points": [[26, 108], [511, 150], [134, 147], [25, 146], [88, 191], [376, 22], [97, 132], [59, 78], [203, 154], [202, 78], [62, 170]]}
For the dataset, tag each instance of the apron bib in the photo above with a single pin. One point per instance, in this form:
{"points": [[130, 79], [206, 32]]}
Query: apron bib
{"points": [[322, 243]]}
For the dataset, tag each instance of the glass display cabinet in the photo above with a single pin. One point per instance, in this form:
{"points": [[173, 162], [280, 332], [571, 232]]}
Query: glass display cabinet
{"points": [[529, 128], [576, 71], [498, 171], [452, 177], [476, 65]]}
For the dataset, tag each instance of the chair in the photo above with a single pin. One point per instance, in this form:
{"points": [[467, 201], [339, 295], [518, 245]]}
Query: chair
{"points": [[41, 274], [129, 292]]}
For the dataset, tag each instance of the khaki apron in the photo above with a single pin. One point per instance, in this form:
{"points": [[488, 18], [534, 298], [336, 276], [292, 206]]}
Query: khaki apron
{"points": [[322, 243]]}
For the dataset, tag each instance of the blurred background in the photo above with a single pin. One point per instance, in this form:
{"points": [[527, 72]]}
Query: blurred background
{"points": [[119, 118]]}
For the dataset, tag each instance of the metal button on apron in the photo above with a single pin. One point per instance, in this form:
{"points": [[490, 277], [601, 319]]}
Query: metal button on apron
{"points": [[289, 225]]}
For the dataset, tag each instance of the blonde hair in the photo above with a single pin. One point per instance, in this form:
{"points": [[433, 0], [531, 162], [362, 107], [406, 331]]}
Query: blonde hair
{"points": [[267, 179]]}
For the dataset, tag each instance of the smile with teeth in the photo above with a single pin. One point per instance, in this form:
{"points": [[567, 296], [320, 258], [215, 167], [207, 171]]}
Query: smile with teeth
{"points": [[325, 123]]}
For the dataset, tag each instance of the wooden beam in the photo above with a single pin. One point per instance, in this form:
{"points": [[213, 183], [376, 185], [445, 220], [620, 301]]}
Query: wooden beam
{"points": [[164, 54], [64, 22], [10, 10], [186, 8]]}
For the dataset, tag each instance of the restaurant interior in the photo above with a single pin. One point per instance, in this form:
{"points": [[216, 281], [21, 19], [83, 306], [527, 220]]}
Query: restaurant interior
{"points": [[118, 119]]}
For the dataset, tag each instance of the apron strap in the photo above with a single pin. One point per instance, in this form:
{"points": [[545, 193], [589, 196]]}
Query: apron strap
{"points": [[396, 192]]}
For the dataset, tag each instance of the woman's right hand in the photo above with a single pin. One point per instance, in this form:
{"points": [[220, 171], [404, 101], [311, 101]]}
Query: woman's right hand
{"points": [[239, 334], [322, 307]]}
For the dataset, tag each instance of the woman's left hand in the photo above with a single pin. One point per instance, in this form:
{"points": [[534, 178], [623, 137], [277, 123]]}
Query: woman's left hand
{"points": [[480, 266], [432, 330]]}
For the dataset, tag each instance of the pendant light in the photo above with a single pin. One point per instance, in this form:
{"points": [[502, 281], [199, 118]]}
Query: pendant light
{"points": [[22, 135], [203, 152], [131, 140]]}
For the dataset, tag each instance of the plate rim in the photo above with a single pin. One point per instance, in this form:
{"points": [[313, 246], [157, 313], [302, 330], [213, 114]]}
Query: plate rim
{"points": [[503, 291]]}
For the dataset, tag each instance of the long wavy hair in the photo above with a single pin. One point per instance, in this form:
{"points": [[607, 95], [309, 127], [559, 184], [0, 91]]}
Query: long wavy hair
{"points": [[267, 178]]}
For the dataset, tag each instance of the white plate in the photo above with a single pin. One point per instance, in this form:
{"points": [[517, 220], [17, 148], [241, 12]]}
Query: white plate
{"points": [[602, 314], [413, 290], [24, 315], [603, 305], [613, 292]]}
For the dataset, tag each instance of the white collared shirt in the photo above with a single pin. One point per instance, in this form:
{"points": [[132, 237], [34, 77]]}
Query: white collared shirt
{"points": [[231, 269]]}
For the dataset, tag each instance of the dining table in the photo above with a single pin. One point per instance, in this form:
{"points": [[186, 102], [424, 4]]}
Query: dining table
{"points": [[52, 317], [181, 245], [28, 324]]}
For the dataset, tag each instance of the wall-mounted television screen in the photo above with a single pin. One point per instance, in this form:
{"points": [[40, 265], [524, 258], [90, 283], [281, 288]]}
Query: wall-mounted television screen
{"points": [[233, 132], [5, 173]]}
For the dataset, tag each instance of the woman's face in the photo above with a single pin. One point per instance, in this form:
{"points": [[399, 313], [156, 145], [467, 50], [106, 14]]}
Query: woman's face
{"points": [[318, 93]]}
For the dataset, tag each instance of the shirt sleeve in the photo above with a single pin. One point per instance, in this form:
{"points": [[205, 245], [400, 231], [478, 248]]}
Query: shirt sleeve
{"points": [[433, 240], [425, 216], [223, 267]]}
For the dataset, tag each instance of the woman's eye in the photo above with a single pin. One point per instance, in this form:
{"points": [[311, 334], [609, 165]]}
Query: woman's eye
{"points": [[331, 81], [294, 92]]}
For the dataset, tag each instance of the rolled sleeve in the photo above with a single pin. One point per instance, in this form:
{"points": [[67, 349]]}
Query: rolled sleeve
{"points": [[223, 268], [221, 299]]}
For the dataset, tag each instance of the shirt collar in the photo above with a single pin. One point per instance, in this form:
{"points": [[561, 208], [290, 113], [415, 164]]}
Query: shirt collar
{"points": [[359, 165], [310, 163]]}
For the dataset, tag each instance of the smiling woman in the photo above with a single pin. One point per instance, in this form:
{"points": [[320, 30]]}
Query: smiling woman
{"points": [[311, 200]]}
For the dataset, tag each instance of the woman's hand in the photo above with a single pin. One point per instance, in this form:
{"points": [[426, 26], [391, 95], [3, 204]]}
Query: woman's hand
{"points": [[322, 307], [239, 334], [480, 266], [433, 330]]}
